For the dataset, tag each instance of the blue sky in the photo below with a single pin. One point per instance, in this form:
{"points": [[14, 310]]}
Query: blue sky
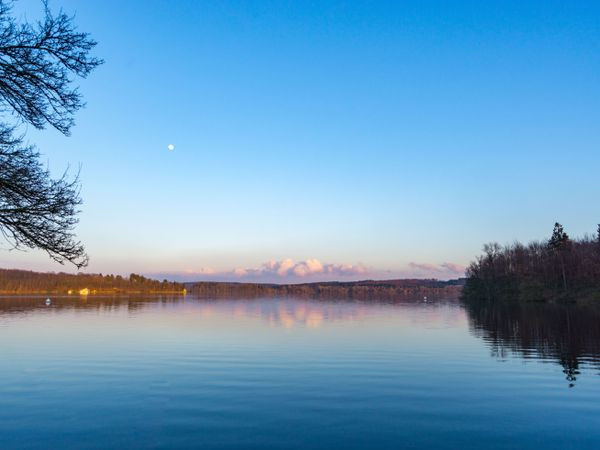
{"points": [[380, 140]]}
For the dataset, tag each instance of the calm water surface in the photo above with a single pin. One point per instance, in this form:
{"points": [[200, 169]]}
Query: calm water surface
{"points": [[283, 373]]}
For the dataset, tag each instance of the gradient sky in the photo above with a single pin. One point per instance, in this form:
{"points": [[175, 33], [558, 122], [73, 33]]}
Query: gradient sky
{"points": [[337, 140]]}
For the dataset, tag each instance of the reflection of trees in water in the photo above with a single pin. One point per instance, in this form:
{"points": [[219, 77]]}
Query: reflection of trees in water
{"points": [[290, 312], [281, 312], [567, 334], [285, 312], [23, 305]]}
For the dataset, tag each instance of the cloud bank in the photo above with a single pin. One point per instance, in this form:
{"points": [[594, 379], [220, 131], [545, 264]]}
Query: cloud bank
{"points": [[443, 269], [285, 270], [289, 271], [288, 267]]}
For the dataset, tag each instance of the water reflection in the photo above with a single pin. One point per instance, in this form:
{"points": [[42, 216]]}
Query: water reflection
{"points": [[175, 372], [565, 334], [17, 305], [290, 313], [286, 312]]}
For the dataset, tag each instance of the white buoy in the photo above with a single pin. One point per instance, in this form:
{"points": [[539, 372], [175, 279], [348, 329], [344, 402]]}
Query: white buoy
{"points": [[48, 302]]}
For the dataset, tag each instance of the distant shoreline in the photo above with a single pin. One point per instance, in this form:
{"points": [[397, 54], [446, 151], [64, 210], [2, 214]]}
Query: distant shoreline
{"points": [[94, 294], [360, 290], [21, 282]]}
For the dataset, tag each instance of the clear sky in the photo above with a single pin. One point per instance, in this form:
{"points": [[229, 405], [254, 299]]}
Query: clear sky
{"points": [[328, 140]]}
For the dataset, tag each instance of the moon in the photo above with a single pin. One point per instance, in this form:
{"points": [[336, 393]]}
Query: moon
{"points": [[171, 147]]}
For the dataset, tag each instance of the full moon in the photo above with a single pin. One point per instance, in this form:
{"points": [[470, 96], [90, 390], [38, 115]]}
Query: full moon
{"points": [[171, 147]]}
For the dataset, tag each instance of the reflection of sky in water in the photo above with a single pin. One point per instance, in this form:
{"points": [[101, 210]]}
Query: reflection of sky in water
{"points": [[290, 313], [286, 313], [280, 373]]}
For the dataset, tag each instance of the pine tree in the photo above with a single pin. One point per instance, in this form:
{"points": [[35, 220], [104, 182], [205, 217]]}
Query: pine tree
{"points": [[559, 243], [559, 239]]}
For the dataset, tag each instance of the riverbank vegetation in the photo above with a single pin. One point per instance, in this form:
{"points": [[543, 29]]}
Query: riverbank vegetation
{"points": [[557, 269], [21, 282], [409, 289], [27, 282]]}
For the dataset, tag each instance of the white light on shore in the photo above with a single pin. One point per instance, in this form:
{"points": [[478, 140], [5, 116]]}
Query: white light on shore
{"points": [[171, 147]]}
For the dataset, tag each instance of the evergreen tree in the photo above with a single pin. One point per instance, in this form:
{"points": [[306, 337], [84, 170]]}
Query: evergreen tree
{"points": [[559, 239], [559, 242]]}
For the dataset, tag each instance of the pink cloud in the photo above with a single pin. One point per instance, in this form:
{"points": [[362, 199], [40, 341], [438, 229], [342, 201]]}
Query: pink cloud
{"points": [[427, 267], [289, 271], [201, 270], [288, 267], [279, 271], [346, 269], [455, 268], [446, 268]]}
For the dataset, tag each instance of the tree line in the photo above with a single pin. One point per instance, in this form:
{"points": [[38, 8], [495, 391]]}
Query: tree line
{"points": [[559, 268], [27, 282], [13, 281], [389, 290]]}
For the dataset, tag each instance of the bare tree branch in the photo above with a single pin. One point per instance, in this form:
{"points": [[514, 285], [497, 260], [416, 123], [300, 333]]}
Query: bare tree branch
{"points": [[38, 63]]}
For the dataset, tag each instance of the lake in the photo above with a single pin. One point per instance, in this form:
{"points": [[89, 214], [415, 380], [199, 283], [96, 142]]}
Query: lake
{"points": [[296, 373]]}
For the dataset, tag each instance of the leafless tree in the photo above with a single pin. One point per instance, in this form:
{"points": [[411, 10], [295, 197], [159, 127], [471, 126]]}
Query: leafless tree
{"points": [[38, 65], [559, 268]]}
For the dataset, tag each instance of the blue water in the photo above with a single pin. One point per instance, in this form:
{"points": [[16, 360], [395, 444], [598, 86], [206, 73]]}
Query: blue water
{"points": [[284, 373]]}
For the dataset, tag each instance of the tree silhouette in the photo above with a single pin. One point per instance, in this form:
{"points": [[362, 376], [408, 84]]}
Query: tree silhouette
{"points": [[559, 243], [37, 66], [556, 268], [559, 239]]}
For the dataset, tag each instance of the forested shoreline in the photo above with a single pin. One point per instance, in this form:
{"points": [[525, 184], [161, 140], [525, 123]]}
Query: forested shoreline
{"points": [[556, 269], [13, 281], [21, 282], [408, 289]]}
